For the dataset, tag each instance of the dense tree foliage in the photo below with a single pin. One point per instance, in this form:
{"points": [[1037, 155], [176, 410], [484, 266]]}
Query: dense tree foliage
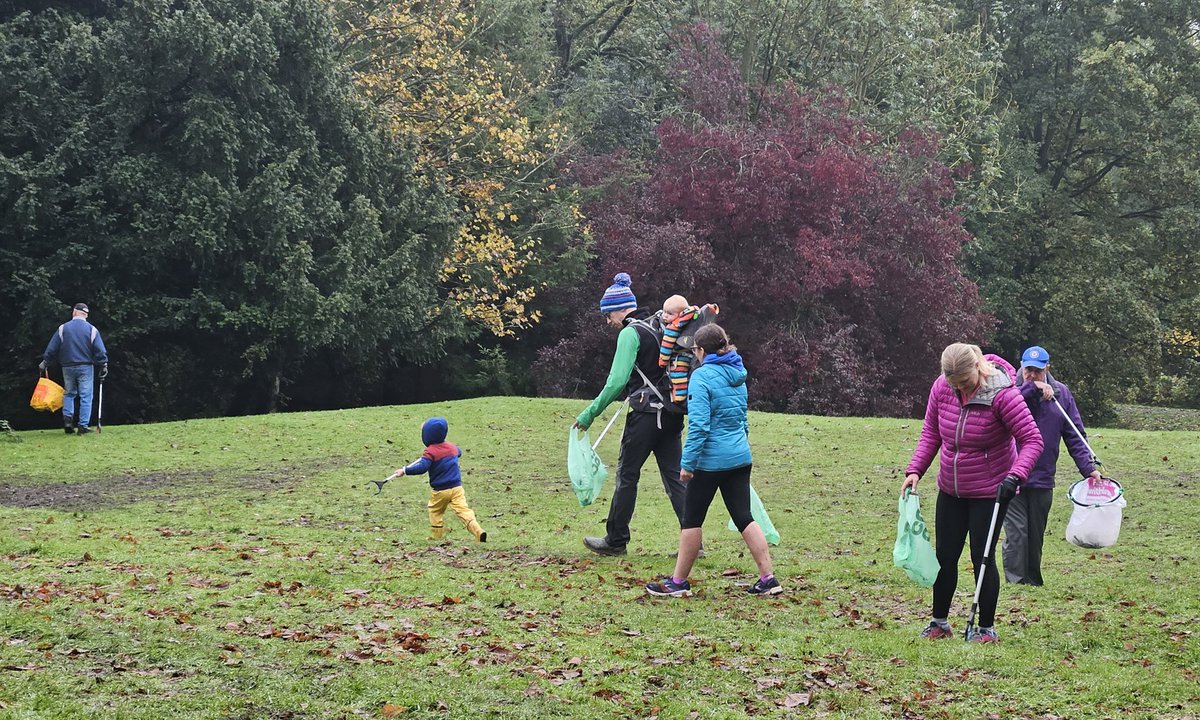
{"points": [[473, 116], [316, 203], [1098, 254], [202, 174], [832, 255]]}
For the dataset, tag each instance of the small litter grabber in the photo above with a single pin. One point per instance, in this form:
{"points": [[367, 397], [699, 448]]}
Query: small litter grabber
{"points": [[982, 569], [380, 483]]}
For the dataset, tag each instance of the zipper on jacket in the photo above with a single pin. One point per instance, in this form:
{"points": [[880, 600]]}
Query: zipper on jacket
{"points": [[958, 432]]}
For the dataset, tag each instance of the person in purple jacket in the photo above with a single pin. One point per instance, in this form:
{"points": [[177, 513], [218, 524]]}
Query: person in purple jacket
{"points": [[1025, 522], [973, 416]]}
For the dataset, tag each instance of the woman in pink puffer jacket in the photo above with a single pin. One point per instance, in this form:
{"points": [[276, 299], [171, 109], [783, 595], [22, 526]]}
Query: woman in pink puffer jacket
{"points": [[974, 415]]}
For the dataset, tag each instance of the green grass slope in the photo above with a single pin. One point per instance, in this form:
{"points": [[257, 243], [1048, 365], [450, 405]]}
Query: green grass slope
{"points": [[242, 568]]}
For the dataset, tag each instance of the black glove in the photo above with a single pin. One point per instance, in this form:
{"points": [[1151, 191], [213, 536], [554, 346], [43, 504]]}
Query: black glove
{"points": [[42, 366], [1008, 488], [103, 372]]}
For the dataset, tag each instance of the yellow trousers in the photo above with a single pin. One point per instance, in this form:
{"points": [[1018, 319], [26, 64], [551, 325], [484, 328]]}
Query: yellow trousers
{"points": [[456, 499]]}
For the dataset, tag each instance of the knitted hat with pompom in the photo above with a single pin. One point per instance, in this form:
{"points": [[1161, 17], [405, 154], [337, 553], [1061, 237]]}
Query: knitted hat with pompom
{"points": [[618, 296]]}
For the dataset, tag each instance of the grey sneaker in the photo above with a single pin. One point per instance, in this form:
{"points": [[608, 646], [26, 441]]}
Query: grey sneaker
{"points": [[983, 635], [600, 546]]}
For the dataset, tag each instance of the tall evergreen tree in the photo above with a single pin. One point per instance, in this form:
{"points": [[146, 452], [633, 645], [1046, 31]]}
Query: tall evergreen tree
{"points": [[202, 173]]}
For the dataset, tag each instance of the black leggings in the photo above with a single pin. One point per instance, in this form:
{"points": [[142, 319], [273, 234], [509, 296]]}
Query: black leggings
{"points": [[735, 491], [956, 518]]}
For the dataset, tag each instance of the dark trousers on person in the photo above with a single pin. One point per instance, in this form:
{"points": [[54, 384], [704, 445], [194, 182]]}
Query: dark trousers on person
{"points": [[642, 437], [1024, 533], [955, 519], [734, 485]]}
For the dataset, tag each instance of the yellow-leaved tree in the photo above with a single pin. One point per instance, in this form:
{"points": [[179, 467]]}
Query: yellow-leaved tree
{"points": [[467, 115]]}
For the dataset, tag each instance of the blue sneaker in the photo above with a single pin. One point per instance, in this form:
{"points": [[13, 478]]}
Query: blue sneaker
{"points": [[667, 587], [768, 587]]}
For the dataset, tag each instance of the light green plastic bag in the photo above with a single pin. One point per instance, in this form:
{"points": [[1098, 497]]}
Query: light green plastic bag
{"points": [[759, 513], [585, 467], [913, 551]]}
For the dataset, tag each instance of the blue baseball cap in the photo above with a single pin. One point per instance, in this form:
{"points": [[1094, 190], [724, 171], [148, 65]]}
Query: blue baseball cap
{"points": [[1035, 357]]}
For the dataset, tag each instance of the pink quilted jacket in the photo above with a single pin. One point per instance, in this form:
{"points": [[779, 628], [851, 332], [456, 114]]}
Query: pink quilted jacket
{"points": [[976, 438]]}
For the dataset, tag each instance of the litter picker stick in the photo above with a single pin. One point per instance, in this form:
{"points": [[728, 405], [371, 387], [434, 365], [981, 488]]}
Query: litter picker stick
{"points": [[1067, 417], [610, 424], [100, 406], [982, 570], [380, 483]]}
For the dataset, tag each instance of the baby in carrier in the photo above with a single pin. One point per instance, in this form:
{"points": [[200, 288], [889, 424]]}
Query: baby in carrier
{"points": [[680, 323]]}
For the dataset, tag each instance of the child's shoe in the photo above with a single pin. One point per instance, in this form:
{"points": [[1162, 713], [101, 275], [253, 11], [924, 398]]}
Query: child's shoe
{"points": [[667, 587], [483, 536], [983, 635]]}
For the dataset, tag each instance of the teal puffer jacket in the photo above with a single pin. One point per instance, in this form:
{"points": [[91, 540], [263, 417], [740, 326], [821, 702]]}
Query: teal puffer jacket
{"points": [[716, 431]]}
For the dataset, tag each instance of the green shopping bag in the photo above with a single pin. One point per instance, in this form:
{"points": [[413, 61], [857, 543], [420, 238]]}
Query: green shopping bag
{"points": [[913, 551], [585, 467], [759, 513]]}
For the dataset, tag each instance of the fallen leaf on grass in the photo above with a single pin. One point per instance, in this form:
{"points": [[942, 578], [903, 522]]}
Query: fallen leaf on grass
{"points": [[393, 710], [768, 682], [797, 699]]}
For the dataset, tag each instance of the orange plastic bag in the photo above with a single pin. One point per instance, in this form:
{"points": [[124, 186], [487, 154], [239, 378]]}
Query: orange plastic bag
{"points": [[48, 395]]}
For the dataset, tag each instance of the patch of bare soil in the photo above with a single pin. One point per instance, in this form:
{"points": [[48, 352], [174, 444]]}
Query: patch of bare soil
{"points": [[131, 488]]}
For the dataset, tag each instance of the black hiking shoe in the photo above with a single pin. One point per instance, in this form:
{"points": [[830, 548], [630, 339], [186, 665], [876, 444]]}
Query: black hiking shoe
{"points": [[69, 426], [600, 546], [84, 429]]}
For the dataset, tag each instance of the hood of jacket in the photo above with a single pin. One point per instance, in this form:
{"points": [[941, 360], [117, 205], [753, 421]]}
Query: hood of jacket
{"points": [[434, 431], [1005, 376], [730, 365]]}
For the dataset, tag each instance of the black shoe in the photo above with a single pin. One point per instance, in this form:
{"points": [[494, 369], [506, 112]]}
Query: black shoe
{"points": [[69, 426], [600, 546], [483, 537], [769, 587], [84, 429]]}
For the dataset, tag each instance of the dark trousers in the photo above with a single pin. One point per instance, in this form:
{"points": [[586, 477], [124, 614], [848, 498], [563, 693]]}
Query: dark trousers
{"points": [[642, 437], [956, 518], [734, 485], [1024, 533]]}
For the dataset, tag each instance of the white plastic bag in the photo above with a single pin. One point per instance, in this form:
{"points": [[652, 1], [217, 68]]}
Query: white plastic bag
{"points": [[1096, 517]]}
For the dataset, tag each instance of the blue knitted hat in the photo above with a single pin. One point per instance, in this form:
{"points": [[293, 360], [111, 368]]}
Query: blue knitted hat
{"points": [[618, 296]]}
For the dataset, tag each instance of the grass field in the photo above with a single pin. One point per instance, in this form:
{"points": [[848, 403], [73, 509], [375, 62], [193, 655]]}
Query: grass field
{"points": [[241, 568]]}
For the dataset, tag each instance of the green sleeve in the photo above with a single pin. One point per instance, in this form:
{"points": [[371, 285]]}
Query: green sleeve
{"points": [[618, 375]]}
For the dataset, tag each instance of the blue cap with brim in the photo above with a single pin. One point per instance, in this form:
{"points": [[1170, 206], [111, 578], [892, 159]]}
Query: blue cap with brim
{"points": [[1035, 357]]}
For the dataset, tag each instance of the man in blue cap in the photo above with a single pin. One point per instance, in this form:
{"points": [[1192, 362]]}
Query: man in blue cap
{"points": [[1025, 522]]}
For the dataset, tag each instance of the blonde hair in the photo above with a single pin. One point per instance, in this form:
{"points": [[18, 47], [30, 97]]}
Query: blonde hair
{"points": [[675, 304], [960, 359]]}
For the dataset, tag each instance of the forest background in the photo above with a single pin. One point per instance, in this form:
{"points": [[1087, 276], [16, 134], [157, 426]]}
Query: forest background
{"points": [[303, 204]]}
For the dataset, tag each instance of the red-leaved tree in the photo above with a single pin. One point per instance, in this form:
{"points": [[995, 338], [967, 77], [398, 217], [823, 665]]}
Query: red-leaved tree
{"points": [[833, 256]]}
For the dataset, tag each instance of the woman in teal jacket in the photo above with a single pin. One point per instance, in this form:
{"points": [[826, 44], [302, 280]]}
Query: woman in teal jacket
{"points": [[716, 457]]}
